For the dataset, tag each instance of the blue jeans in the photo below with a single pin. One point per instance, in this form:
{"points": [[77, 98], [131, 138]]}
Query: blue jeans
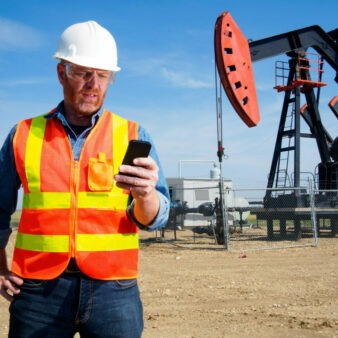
{"points": [[76, 303]]}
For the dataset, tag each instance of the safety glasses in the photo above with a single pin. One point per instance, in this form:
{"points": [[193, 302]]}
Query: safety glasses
{"points": [[82, 74]]}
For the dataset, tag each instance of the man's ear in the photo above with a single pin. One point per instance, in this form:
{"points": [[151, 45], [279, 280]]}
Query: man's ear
{"points": [[61, 70]]}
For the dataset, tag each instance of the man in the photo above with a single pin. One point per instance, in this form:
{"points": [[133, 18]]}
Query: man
{"points": [[75, 260]]}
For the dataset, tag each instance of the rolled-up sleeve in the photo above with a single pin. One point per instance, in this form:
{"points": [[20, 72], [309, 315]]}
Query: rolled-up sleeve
{"points": [[9, 185], [161, 188]]}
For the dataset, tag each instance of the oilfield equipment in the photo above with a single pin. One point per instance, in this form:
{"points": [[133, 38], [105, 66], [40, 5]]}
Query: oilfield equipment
{"points": [[285, 199], [234, 56]]}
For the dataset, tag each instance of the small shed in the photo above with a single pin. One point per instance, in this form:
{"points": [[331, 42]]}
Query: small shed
{"points": [[196, 191]]}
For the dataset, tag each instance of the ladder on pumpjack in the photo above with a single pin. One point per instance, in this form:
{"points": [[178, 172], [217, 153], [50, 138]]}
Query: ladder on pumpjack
{"points": [[282, 179], [282, 176], [301, 65]]}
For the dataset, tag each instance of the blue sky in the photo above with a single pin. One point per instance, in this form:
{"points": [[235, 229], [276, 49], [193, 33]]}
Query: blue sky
{"points": [[165, 50]]}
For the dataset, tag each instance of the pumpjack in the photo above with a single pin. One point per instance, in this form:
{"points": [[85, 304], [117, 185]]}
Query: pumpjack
{"points": [[234, 56]]}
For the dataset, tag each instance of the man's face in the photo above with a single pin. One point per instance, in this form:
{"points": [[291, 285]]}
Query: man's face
{"points": [[84, 89]]}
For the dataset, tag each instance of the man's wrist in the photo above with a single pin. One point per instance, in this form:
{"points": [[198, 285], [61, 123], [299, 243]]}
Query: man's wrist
{"points": [[146, 208], [161, 217]]}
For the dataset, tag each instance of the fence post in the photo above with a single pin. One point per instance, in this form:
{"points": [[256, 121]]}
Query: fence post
{"points": [[313, 212]]}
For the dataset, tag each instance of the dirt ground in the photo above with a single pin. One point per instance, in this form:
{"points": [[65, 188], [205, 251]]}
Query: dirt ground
{"points": [[213, 293]]}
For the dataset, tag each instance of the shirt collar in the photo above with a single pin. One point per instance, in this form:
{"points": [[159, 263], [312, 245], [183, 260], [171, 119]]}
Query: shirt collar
{"points": [[59, 114]]}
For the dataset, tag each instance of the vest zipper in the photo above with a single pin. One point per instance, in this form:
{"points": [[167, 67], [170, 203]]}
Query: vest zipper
{"points": [[74, 188]]}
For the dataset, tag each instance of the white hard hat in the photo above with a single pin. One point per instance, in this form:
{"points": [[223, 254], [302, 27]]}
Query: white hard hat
{"points": [[88, 44]]}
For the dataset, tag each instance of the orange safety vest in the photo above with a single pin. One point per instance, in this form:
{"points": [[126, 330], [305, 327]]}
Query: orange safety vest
{"points": [[73, 208]]}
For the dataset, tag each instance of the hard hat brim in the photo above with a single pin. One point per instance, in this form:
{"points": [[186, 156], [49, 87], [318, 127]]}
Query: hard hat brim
{"points": [[87, 64]]}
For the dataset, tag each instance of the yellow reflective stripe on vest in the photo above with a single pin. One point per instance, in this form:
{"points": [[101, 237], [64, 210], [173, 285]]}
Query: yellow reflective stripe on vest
{"points": [[46, 200], [103, 242], [120, 141], [102, 200], [42, 243], [62, 200], [33, 152], [84, 242]]}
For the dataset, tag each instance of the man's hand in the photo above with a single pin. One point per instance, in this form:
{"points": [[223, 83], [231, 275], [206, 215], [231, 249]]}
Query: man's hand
{"points": [[9, 282], [144, 177], [142, 187]]}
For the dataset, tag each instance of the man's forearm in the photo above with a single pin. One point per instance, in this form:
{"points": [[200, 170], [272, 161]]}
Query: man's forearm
{"points": [[3, 260], [146, 209]]}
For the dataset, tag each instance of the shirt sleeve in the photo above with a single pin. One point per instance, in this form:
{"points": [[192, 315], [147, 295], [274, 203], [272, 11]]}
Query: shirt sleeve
{"points": [[9, 183], [161, 187]]}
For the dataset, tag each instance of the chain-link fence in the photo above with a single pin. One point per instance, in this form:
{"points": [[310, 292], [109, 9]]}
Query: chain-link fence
{"points": [[278, 218], [254, 219], [326, 212], [192, 221]]}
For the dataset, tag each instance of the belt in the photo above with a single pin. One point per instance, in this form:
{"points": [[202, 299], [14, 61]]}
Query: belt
{"points": [[72, 267]]}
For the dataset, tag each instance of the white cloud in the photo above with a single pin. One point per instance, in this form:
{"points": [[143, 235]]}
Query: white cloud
{"points": [[15, 35], [24, 82], [173, 68], [182, 79], [146, 66]]}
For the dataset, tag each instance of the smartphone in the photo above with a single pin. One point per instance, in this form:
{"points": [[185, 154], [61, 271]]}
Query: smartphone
{"points": [[136, 149]]}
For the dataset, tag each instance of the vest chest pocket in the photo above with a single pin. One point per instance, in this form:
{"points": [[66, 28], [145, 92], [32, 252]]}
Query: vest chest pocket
{"points": [[101, 173]]}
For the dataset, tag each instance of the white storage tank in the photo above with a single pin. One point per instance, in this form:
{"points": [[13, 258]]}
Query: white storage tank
{"points": [[215, 172]]}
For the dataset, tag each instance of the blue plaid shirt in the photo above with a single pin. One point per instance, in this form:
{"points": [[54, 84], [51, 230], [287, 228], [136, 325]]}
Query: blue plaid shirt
{"points": [[10, 180]]}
